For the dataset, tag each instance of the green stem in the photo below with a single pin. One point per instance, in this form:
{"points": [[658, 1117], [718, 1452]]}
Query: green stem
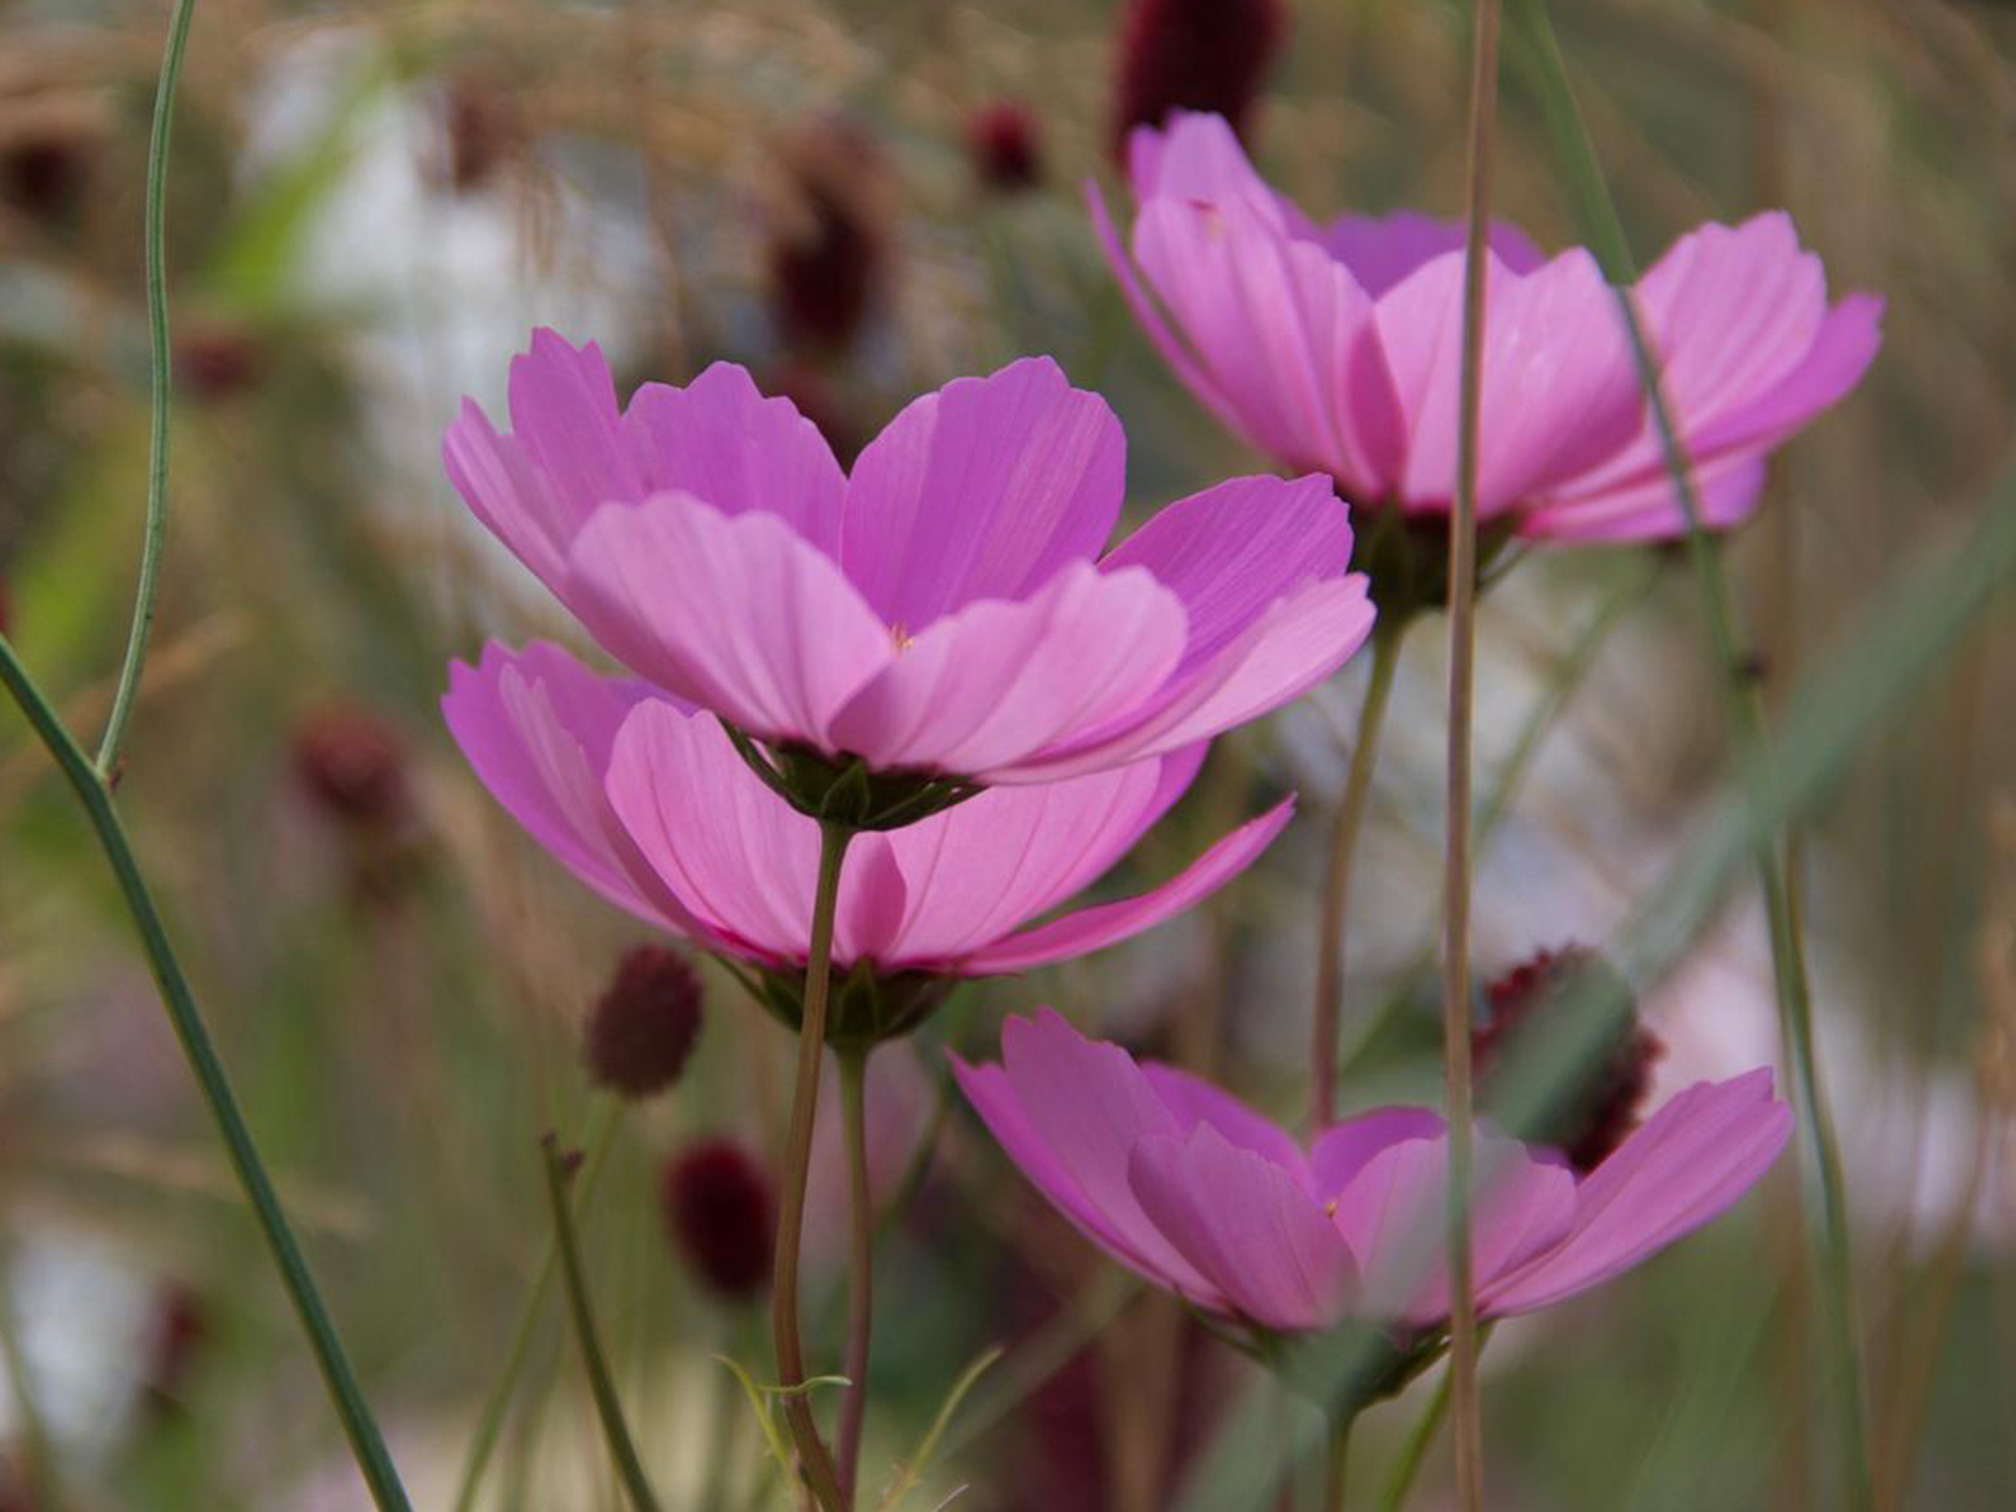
{"points": [[860, 1267], [1746, 713], [1344, 827], [491, 1425], [1456, 1012], [94, 792], [1336, 1461], [816, 1460], [608, 1407], [154, 531], [1401, 1480]]}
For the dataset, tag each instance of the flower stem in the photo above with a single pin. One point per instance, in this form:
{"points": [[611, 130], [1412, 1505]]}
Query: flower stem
{"points": [[1745, 708], [154, 532], [860, 1267], [1456, 1014], [816, 1460], [608, 1407], [1401, 1479], [1344, 826], [1336, 1461], [94, 793], [491, 1425]]}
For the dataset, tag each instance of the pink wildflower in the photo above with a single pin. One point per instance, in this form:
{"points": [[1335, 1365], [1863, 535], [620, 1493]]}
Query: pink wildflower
{"points": [[1195, 1191]]}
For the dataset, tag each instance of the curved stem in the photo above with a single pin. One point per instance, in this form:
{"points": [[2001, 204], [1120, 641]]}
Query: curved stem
{"points": [[1744, 704], [491, 1424], [608, 1407], [93, 791], [1344, 827], [1335, 1463], [155, 529], [816, 1460], [860, 1268], [1456, 1013]]}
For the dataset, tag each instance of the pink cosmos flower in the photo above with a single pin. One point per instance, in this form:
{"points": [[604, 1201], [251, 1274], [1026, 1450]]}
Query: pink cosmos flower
{"points": [[648, 803], [1337, 347], [1198, 1193], [945, 610]]}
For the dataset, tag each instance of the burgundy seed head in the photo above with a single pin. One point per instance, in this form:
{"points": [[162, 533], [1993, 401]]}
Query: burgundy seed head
{"points": [[720, 1215], [45, 176], [352, 763], [827, 261], [1005, 147], [1209, 55], [1603, 1107], [643, 1025], [215, 361], [482, 130]]}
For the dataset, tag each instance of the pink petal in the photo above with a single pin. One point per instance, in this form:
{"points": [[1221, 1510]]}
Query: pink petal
{"points": [[1749, 352], [1189, 368], [1247, 1225], [741, 616], [1128, 1238], [1195, 1101], [1286, 334], [1392, 1215], [996, 683], [983, 490], [1725, 487], [1198, 157], [727, 847], [537, 727], [1091, 1104], [1695, 1157], [989, 865], [720, 440], [1231, 552], [1381, 250], [1560, 392], [1290, 648], [1094, 928], [1343, 1149]]}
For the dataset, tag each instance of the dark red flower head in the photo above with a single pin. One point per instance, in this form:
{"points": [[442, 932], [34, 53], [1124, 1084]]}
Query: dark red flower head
{"points": [[215, 359], [643, 1025], [46, 175], [1602, 1107], [1207, 55], [1007, 152], [481, 130], [827, 262], [720, 1215], [353, 764]]}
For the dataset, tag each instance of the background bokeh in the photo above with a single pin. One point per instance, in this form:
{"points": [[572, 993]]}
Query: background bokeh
{"points": [[371, 204]]}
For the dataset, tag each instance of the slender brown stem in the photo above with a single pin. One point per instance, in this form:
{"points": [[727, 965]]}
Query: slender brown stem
{"points": [[1344, 827], [861, 1267], [1465, 1426], [815, 1459]]}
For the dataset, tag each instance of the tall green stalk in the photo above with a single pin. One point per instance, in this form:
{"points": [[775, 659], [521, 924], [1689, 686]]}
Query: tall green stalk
{"points": [[860, 1267], [815, 1459], [94, 792], [1456, 1013], [1745, 707]]}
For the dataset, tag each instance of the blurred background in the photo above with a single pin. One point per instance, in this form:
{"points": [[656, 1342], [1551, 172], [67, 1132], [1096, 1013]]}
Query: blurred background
{"points": [[372, 204]]}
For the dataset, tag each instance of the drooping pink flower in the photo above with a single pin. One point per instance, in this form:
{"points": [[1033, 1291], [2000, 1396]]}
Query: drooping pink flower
{"points": [[649, 804], [946, 610], [1338, 347], [1198, 1193]]}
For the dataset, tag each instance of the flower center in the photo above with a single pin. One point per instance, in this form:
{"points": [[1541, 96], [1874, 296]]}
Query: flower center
{"points": [[900, 636]]}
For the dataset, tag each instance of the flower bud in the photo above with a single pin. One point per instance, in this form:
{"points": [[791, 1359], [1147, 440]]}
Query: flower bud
{"points": [[1207, 55], [642, 1027], [1601, 1105], [1002, 142], [721, 1216]]}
